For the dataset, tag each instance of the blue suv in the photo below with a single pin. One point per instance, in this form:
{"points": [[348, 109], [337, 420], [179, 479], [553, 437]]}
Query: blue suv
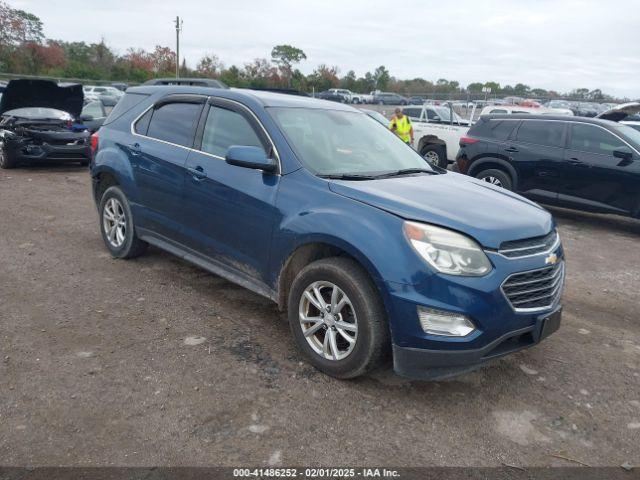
{"points": [[318, 207]]}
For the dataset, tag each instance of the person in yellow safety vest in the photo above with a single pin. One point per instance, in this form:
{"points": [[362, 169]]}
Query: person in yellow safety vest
{"points": [[401, 126]]}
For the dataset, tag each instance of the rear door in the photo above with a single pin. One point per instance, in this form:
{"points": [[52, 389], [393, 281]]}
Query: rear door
{"points": [[162, 139], [230, 210], [536, 149], [593, 178]]}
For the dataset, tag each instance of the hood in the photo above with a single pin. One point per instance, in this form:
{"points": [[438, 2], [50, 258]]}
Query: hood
{"points": [[491, 215], [42, 93], [620, 112]]}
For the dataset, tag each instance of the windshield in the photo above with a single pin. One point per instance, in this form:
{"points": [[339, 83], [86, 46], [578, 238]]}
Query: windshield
{"points": [[39, 113], [444, 114], [630, 133], [332, 142], [377, 116]]}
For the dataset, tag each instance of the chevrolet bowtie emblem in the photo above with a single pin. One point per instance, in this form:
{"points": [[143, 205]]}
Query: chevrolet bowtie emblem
{"points": [[551, 259]]}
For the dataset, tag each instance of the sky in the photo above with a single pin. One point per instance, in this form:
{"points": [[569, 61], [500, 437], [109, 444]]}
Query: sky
{"points": [[551, 44]]}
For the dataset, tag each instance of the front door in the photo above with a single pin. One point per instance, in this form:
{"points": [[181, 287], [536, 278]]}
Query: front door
{"points": [[594, 177], [230, 210]]}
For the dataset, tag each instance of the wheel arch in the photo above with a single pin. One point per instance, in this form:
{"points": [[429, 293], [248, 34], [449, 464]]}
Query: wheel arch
{"points": [[497, 163], [317, 248], [431, 140]]}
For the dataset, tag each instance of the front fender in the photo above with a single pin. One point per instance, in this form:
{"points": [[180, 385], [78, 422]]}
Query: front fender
{"points": [[312, 213]]}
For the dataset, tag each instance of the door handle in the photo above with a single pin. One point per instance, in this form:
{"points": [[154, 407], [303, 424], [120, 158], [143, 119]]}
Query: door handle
{"points": [[134, 148], [197, 173], [511, 149]]}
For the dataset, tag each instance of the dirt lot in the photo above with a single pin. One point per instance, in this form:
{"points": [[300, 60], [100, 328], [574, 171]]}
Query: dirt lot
{"points": [[98, 364]]}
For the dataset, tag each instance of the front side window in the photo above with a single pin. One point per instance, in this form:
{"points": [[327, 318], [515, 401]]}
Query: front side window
{"points": [[225, 128], [175, 123], [541, 132], [331, 142], [588, 138]]}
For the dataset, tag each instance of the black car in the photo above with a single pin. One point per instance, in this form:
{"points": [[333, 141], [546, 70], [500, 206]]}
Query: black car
{"points": [[331, 95], [583, 163], [39, 122]]}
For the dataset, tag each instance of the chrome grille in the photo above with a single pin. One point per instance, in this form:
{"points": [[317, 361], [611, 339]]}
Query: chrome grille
{"points": [[528, 246], [535, 289]]}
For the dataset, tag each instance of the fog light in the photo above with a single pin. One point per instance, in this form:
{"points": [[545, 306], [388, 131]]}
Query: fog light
{"points": [[438, 322]]}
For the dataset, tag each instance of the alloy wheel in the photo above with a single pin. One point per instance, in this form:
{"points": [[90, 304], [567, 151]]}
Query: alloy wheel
{"points": [[432, 157], [114, 222], [493, 180], [328, 320]]}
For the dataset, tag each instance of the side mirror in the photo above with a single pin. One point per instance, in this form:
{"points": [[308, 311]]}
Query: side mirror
{"points": [[623, 154], [86, 118], [250, 157]]}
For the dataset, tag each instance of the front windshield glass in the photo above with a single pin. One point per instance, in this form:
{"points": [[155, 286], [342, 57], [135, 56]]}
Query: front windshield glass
{"points": [[39, 113], [445, 115], [630, 133], [333, 142]]}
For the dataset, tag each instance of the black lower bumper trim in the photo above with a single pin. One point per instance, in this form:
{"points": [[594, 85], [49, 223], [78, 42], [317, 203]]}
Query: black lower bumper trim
{"points": [[437, 364]]}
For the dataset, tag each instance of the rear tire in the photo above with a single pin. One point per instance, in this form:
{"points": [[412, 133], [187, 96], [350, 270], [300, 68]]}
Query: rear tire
{"points": [[342, 341], [496, 177], [117, 226], [435, 155]]}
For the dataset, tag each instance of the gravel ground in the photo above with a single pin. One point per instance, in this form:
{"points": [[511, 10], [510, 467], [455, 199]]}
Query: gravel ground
{"points": [[156, 362]]}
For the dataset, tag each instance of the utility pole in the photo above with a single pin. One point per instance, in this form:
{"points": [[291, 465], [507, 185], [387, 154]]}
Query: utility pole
{"points": [[178, 30]]}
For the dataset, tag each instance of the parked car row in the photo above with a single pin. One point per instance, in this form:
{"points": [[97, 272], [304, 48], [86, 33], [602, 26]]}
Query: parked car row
{"points": [[332, 177]]}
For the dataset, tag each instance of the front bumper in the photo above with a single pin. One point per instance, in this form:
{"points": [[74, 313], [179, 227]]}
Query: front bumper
{"points": [[439, 364], [500, 328], [72, 148]]}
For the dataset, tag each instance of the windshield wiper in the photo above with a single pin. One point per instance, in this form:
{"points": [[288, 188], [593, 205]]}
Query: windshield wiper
{"points": [[348, 176], [406, 171]]}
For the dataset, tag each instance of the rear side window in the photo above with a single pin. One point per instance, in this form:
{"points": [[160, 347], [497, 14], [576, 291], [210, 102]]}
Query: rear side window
{"points": [[497, 129], [541, 132], [497, 111], [588, 138], [126, 103], [142, 125], [225, 128], [175, 123]]}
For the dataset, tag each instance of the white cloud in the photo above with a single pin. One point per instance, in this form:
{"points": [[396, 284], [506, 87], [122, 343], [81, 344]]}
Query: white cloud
{"points": [[543, 43]]}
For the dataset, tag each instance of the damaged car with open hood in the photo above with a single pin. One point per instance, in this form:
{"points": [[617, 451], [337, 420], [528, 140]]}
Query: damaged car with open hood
{"points": [[39, 123]]}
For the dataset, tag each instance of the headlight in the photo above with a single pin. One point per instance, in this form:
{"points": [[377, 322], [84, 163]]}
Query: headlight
{"points": [[447, 251]]}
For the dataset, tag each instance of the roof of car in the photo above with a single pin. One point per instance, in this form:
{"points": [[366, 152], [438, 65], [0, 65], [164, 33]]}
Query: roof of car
{"points": [[564, 118], [265, 98]]}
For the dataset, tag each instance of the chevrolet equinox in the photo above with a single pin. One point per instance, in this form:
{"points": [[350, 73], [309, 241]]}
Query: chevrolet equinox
{"points": [[372, 252]]}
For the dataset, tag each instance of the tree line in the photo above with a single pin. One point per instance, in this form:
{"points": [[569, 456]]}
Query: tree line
{"points": [[25, 50]]}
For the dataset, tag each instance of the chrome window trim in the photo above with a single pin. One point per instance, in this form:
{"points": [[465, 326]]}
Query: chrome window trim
{"points": [[207, 99], [556, 296]]}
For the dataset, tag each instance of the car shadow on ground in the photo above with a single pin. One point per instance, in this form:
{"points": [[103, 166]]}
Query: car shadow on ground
{"points": [[597, 221]]}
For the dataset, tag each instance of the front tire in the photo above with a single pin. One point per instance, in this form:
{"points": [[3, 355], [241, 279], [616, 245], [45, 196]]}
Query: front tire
{"points": [[117, 227], [337, 318], [496, 177], [5, 162]]}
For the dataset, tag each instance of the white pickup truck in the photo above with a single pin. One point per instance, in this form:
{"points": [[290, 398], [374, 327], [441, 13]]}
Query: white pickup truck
{"points": [[437, 131]]}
